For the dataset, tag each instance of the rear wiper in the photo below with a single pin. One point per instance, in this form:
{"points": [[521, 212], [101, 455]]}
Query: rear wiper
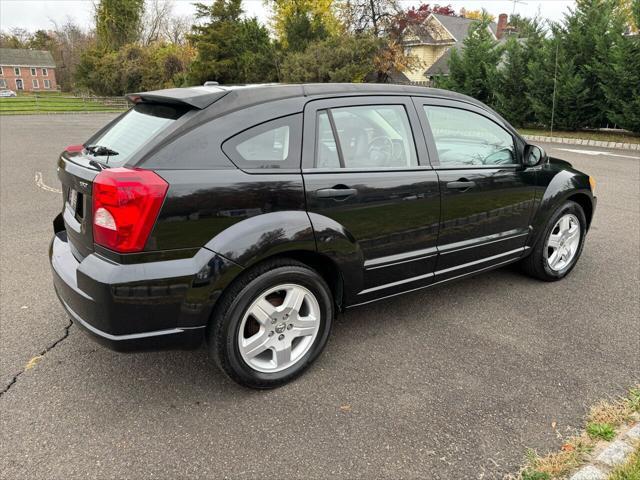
{"points": [[100, 151]]}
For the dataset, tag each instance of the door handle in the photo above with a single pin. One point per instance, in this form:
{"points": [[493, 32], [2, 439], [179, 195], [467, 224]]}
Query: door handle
{"points": [[462, 184], [336, 192]]}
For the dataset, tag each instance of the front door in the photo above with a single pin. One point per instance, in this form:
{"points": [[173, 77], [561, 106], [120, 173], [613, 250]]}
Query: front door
{"points": [[367, 173], [19, 84], [487, 195]]}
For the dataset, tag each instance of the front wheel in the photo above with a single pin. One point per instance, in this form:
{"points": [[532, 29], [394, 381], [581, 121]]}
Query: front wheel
{"points": [[271, 324], [560, 247]]}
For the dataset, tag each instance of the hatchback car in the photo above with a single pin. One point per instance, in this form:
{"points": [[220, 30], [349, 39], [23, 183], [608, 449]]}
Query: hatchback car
{"points": [[248, 216], [8, 93]]}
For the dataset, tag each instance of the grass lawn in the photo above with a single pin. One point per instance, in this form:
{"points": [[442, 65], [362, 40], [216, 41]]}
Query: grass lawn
{"points": [[54, 103], [591, 135]]}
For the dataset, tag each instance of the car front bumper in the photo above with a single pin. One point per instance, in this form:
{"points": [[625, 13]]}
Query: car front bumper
{"points": [[165, 304]]}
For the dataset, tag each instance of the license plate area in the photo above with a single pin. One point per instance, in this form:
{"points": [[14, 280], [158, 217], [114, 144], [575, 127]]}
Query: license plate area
{"points": [[75, 203]]}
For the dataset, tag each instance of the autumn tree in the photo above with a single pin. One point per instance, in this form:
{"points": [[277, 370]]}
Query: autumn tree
{"points": [[297, 23], [476, 14]]}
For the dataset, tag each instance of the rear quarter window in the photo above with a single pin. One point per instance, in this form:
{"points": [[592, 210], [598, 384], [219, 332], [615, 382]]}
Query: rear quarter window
{"points": [[271, 145]]}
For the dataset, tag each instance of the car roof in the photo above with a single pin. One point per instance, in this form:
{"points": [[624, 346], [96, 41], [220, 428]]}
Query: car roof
{"points": [[201, 97]]}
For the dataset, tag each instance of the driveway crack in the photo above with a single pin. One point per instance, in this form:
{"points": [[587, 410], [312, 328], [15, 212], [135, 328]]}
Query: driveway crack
{"points": [[30, 364]]}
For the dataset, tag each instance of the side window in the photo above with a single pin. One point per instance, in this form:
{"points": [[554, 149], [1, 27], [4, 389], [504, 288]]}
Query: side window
{"points": [[327, 156], [372, 136], [274, 144], [467, 139]]}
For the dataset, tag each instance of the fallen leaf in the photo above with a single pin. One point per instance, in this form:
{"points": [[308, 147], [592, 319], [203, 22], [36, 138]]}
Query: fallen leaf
{"points": [[32, 363], [567, 447], [345, 408]]}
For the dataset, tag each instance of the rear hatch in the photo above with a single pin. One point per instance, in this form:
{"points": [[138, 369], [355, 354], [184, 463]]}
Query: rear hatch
{"points": [[114, 146]]}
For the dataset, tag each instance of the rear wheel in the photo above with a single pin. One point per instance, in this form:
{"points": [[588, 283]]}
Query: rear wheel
{"points": [[271, 324], [559, 249]]}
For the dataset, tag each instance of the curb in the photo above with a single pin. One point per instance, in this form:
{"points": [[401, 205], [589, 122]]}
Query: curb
{"points": [[614, 454], [582, 141]]}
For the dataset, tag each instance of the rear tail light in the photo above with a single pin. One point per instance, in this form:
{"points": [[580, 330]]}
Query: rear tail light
{"points": [[126, 204]]}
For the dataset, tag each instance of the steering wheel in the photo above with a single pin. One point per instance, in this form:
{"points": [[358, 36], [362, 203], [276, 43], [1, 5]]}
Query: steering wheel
{"points": [[503, 156], [381, 151]]}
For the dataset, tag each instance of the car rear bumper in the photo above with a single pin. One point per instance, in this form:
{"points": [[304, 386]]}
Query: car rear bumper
{"points": [[165, 304]]}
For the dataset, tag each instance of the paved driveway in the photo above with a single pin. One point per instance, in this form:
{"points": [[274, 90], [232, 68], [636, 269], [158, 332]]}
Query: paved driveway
{"points": [[449, 383]]}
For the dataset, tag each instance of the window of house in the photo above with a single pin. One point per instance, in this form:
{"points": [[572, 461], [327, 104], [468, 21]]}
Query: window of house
{"points": [[35, 83], [16, 70], [34, 71], [274, 144], [3, 83], [372, 136], [45, 72], [467, 139], [47, 84], [1, 71]]}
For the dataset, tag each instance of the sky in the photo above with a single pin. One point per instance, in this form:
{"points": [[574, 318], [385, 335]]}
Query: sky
{"points": [[39, 14]]}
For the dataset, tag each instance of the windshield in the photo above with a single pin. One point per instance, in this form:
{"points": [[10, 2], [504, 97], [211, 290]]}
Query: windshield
{"points": [[133, 130]]}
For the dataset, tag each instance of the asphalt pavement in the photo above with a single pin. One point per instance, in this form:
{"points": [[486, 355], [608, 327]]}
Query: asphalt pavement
{"points": [[450, 383]]}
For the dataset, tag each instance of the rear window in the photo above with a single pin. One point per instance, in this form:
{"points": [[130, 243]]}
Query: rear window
{"points": [[134, 129]]}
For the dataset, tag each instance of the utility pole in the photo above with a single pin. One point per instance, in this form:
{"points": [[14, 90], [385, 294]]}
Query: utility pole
{"points": [[555, 86], [515, 2]]}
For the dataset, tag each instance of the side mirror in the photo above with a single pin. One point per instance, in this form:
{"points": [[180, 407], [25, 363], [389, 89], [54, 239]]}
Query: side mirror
{"points": [[534, 155]]}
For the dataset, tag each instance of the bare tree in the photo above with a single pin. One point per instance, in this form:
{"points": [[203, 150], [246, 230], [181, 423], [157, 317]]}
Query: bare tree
{"points": [[177, 28], [70, 40], [368, 15], [155, 20]]}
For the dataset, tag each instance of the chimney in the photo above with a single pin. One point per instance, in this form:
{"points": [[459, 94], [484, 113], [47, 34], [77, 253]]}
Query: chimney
{"points": [[502, 25]]}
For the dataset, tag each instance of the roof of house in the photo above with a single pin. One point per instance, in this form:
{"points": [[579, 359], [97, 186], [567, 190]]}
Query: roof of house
{"points": [[458, 27], [21, 57]]}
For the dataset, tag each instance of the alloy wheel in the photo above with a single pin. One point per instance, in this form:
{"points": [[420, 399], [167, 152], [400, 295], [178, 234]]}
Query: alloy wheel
{"points": [[279, 328], [563, 242]]}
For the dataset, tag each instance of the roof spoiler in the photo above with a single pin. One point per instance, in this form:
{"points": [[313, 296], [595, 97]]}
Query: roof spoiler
{"points": [[196, 97]]}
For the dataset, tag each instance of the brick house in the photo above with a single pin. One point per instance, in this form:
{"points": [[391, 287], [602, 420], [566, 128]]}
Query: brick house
{"points": [[27, 70]]}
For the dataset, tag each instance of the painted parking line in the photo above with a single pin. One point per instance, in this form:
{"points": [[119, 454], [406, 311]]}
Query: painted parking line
{"points": [[596, 153], [40, 184]]}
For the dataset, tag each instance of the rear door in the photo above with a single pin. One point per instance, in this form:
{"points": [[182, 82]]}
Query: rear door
{"points": [[77, 168], [487, 194], [366, 167]]}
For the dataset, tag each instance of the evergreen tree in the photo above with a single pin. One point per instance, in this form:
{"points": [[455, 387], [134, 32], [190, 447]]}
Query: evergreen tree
{"points": [[623, 88], [297, 23], [572, 94], [589, 33], [230, 49], [473, 70], [336, 59], [118, 22], [301, 29], [510, 80]]}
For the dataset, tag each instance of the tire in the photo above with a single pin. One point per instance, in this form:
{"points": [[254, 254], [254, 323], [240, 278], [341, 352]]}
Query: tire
{"points": [[248, 314], [541, 263]]}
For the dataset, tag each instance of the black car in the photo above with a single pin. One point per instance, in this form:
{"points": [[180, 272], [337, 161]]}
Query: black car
{"points": [[248, 216]]}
